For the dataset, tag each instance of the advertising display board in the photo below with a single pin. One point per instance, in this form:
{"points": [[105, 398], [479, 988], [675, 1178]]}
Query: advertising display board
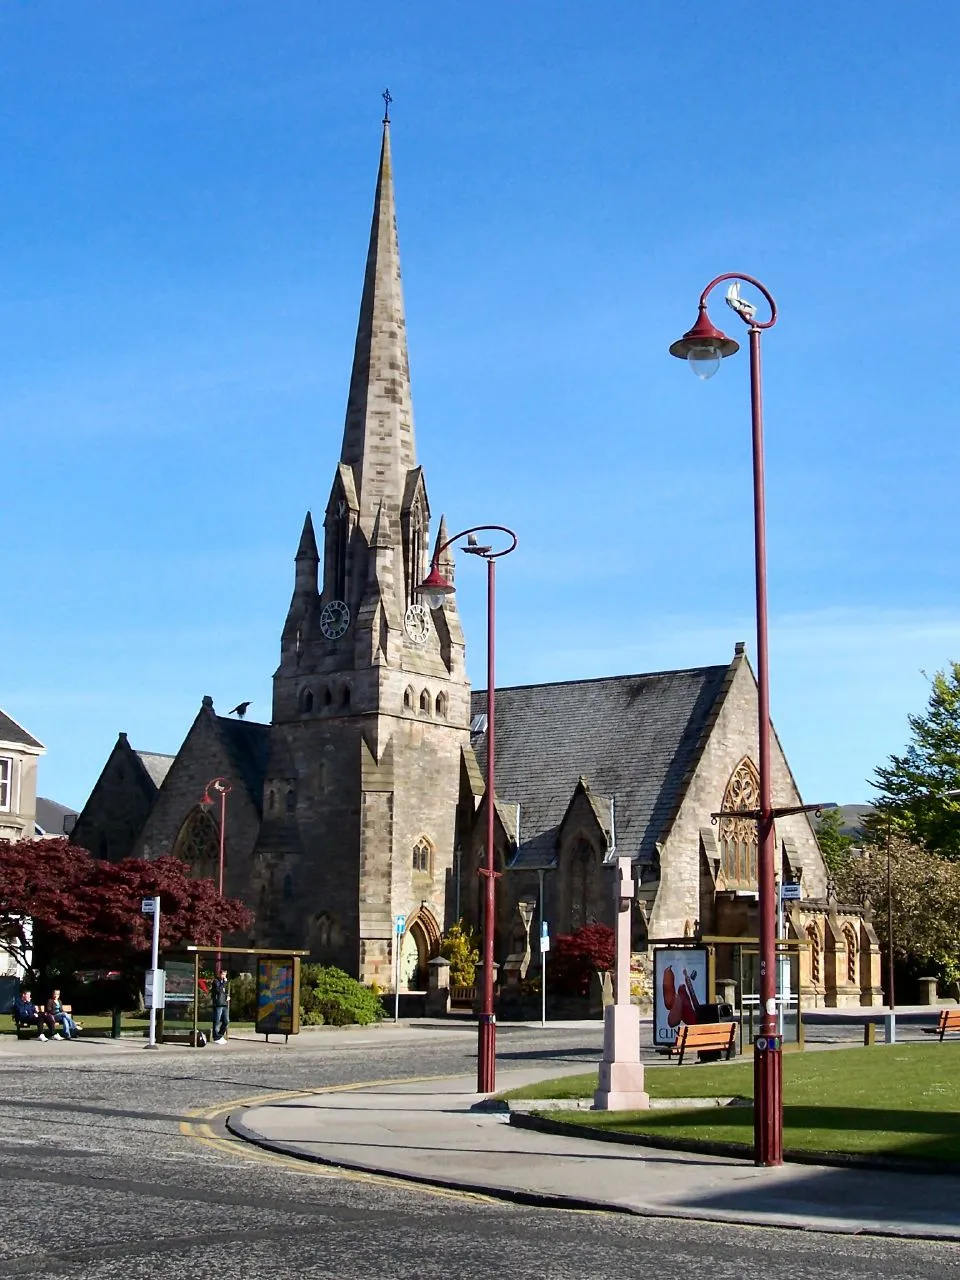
{"points": [[179, 982], [278, 996], [679, 989]]}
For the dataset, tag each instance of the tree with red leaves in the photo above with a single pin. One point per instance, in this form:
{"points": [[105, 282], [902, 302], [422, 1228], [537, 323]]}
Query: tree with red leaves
{"points": [[576, 957], [92, 908]]}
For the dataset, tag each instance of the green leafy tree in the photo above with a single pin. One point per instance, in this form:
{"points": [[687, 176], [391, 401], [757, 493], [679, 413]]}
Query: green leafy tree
{"points": [[834, 844], [912, 803], [925, 889], [461, 948]]}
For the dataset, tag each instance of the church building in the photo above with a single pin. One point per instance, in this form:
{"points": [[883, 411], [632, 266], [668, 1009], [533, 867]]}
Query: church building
{"points": [[363, 798]]}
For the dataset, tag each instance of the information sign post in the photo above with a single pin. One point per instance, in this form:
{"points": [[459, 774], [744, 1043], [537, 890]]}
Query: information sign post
{"points": [[544, 948], [399, 925], [151, 907]]}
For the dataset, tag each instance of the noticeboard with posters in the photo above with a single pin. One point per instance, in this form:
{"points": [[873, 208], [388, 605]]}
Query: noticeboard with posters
{"points": [[278, 995], [679, 989], [179, 982]]}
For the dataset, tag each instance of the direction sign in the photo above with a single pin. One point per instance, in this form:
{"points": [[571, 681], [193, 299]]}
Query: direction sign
{"points": [[790, 892], [399, 923]]}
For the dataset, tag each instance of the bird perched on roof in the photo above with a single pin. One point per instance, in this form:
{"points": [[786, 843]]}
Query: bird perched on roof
{"points": [[239, 710]]}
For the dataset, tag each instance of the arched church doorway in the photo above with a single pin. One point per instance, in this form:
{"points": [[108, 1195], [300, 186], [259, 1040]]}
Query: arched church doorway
{"points": [[419, 945]]}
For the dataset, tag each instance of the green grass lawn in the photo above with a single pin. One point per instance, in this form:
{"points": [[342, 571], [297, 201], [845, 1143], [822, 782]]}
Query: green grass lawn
{"points": [[897, 1100]]}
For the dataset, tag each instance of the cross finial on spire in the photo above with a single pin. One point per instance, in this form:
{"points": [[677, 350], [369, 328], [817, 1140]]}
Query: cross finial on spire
{"points": [[387, 99]]}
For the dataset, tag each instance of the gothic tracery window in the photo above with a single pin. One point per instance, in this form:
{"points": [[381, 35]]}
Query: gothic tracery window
{"points": [[341, 537], [738, 836], [198, 844], [416, 571]]}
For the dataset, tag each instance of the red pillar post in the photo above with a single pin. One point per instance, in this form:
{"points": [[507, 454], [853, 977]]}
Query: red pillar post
{"points": [[487, 1030], [767, 1057]]}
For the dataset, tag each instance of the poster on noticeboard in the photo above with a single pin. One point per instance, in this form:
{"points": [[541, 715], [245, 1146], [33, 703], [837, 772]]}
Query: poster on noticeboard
{"points": [[278, 995], [679, 989]]}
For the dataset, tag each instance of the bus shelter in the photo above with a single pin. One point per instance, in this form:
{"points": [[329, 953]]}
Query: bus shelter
{"points": [[277, 972]]}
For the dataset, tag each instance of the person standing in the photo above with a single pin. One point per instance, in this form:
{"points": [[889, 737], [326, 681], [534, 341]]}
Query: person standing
{"points": [[220, 997]]}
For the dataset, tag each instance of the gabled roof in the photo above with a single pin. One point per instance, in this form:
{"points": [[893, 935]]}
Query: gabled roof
{"points": [[16, 734], [632, 738], [157, 766]]}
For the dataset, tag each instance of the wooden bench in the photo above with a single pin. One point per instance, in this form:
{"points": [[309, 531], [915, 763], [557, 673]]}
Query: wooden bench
{"points": [[949, 1021], [704, 1037]]}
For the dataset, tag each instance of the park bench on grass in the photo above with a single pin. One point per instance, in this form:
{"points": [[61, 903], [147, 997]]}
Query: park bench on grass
{"points": [[949, 1021], [22, 1027], [704, 1037]]}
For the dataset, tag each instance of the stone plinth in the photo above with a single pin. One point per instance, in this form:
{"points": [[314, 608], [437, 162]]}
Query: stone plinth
{"points": [[621, 1072]]}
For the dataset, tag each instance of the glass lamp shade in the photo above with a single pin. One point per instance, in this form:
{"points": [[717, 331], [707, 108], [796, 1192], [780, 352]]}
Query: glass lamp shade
{"points": [[704, 359], [434, 589]]}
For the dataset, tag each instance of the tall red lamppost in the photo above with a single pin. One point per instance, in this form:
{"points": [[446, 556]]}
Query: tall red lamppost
{"points": [[434, 589], [703, 347], [221, 787]]}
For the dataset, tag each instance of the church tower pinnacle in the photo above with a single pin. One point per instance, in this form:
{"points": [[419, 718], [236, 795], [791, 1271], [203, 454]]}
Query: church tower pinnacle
{"points": [[370, 741]]}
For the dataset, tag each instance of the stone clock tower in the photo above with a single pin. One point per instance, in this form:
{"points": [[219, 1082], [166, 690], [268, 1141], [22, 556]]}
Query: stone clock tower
{"points": [[371, 705]]}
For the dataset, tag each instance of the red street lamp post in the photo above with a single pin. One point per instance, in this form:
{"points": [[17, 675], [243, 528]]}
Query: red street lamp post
{"points": [[222, 787], [434, 590], [703, 347]]}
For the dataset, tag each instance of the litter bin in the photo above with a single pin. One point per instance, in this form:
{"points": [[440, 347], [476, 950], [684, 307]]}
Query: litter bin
{"points": [[719, 1011], [115, 1024]]}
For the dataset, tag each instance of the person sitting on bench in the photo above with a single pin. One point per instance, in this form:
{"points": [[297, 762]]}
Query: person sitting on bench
{"points": [[26, 1013], [62, 1015]]}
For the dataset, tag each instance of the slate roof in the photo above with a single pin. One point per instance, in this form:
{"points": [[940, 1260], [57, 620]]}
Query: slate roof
{"points": [[156, 765], [50, 816], [630, 737], [248, 745], [12, 732]]}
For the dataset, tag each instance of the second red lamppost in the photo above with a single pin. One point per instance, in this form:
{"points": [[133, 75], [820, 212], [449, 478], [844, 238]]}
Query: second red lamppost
{"points": [[703, 347], [221, 787], [434, 590]]}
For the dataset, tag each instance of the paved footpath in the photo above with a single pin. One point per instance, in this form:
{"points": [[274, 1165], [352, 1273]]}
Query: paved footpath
{"points": [[426, 1131]]}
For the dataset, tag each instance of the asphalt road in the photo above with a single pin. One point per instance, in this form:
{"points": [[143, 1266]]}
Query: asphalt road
{"points": [[107, 1170]]}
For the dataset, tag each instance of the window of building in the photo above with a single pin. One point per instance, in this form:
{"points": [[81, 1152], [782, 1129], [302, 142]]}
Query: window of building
{"points": [[341, 540], [288, 886], [814, 939], [851, 945], [421, 856], [327, 696], [345, 696], [271, 799], [738, 836], [306, 700], [425, 701], [198, 843], [408, 696], [581, 878], [441, 706], [6, 783], [291, 800]]}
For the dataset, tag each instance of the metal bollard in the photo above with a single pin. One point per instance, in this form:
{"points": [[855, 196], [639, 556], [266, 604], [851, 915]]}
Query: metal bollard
{"points": [[115, 1024]]}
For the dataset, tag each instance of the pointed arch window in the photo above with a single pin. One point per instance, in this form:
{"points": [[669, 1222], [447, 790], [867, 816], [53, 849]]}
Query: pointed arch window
{"points": [[850, 942], [441, 706], [198, 842], [306, 700], [738, 836], [423, 856], [425, 701], [408, 696], [341, 539], [581, 883], [415, 568], [813, 938]]}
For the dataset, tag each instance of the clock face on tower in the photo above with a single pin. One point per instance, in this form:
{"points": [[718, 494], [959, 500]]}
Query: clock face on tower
{"points": [[417, 623], [334, 619]]}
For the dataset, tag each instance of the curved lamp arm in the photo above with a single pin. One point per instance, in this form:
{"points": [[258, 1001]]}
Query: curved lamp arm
{"points": [[435, 587], [757, 284]]}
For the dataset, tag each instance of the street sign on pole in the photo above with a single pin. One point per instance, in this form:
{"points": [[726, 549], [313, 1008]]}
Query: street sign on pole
{"points": [[790, 892], [399, 925], [544, 948], [151, 907]]}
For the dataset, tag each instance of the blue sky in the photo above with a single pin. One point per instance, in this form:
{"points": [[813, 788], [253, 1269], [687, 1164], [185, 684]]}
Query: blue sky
{"points": [[185, 209]]}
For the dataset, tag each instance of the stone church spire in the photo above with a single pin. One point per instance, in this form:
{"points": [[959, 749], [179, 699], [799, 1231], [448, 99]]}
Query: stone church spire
{"points": [[378, 441]]}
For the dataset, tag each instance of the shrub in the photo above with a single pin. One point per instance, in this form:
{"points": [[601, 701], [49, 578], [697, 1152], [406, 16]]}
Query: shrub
{"points": [[576, 957], [328, 995], [243, 998], [460, 947]]}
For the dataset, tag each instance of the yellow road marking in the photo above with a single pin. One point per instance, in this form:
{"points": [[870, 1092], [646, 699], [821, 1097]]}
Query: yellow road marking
{"points": [[197, 1125]]}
